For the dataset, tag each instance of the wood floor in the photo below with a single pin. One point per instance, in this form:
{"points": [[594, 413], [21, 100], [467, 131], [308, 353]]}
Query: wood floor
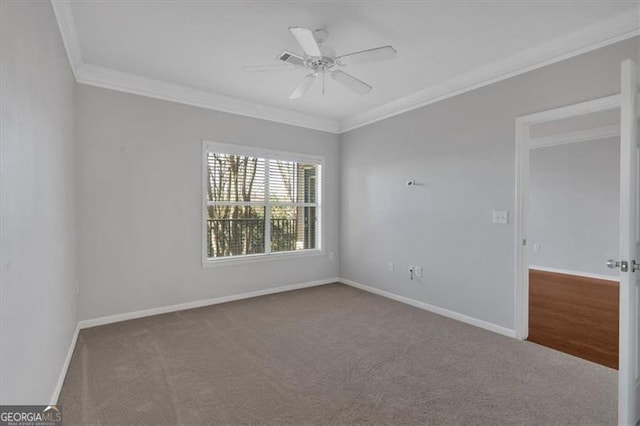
{"points": [[575, 315]]}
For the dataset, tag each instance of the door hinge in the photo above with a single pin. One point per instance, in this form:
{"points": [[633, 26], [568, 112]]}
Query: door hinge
{"points": [[635, 266], [524, 242]]}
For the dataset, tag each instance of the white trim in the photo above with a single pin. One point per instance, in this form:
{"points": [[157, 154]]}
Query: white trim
{"points": [[199, 303], [431, 308], [67, 24], [567, 111], [575, 273], [267, 211], [260, 257], [523, 125], [628, 345], [601, 34], [258, 203], [254, 151], [266, 154], [521, 275], [144, 86], [65, 367], [587, 135], [204, 212]]}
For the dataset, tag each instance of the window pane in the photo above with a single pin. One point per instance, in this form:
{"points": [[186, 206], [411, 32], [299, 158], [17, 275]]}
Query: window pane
{"points": [[235, 178], [291, 182], [234, 231], [293, 228]]}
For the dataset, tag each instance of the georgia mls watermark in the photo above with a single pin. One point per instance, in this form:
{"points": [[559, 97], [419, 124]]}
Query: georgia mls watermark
{"points": [[30, 415]]}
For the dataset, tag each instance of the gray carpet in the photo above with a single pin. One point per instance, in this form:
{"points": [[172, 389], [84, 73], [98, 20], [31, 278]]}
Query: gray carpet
{"points": [[325, 355]]}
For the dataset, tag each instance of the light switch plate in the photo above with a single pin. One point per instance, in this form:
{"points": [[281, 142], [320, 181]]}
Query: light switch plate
{"points": [[500, 217]]}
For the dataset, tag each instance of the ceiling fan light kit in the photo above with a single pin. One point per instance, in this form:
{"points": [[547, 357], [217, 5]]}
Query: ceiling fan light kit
{"points": [[321, 60]]}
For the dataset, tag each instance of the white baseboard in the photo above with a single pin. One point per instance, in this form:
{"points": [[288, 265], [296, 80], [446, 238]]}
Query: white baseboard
{"points": [[65, 366], [214, 301], [576, 273], [199, 303], [435, 309]]}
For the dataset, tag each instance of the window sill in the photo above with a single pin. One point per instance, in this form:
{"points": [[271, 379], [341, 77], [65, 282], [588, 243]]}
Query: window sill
{"points": [[257, 258]]}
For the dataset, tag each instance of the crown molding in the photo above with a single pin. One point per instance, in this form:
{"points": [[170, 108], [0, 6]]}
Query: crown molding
{"points": [[138, 85], [603, 33], [130, 83], [67, 24]]}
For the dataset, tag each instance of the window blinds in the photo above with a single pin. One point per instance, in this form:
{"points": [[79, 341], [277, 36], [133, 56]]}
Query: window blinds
{"points": [[260, 205]]}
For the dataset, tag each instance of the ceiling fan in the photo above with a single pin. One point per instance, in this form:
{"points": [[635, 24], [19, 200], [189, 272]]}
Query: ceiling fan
{"points": [[321, 60]]}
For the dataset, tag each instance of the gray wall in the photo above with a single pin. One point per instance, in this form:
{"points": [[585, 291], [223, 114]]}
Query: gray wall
{"points": [[138, 175], [462, 153], [139, 165], [38, 204], [574, 210]]}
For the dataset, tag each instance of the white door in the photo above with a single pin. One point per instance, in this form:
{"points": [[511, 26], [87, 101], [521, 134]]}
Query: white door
{"points": [[628, 383]]}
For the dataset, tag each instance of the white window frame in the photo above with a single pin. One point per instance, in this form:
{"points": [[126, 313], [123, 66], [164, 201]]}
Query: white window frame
{"points": [[251, 151]]}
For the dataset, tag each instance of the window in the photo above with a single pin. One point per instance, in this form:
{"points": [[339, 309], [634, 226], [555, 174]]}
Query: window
{"points": [[259, 203]]}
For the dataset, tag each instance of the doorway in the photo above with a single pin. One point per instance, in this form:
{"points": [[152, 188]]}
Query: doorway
{"points": [[573, 124], [568, 226], [566, 297], [572, 225], [628, 262]]}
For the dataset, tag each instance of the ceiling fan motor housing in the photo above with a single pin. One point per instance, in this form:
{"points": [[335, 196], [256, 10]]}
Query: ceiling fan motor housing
{"points": [[319, 63], [324, 62]]}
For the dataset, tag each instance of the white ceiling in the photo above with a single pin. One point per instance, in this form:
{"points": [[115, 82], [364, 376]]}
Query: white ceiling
{"points": [[203, 45]]}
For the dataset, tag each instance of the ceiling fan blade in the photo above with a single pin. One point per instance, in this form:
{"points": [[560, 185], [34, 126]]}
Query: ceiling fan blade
{"points": [[384, 53], [306, 40], [265, 68], [302, 88], [351, 82]]}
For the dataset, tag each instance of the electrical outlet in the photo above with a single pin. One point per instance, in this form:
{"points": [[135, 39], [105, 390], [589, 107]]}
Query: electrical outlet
{"points": [[418, 271], [390, 266], [332, 256], [536, 247], [500, 217]]}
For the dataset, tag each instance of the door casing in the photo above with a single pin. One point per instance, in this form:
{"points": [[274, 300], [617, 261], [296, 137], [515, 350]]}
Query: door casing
{"points": [[629, 104], [524, 144]]}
